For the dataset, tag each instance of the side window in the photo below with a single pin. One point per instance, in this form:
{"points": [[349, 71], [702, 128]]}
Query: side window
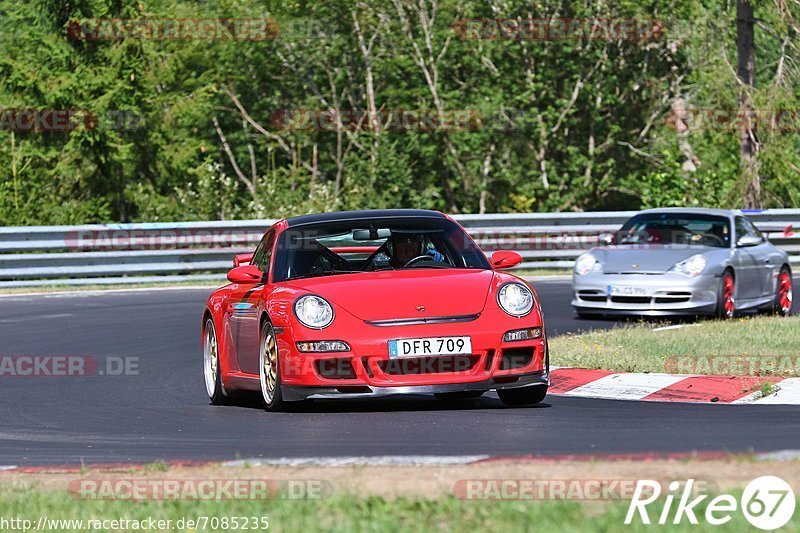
{"points": [[263, 253], [746, 228], [754, 229]]}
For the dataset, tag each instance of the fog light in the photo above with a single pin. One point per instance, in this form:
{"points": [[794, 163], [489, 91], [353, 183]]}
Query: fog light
{"points": [[323, 346], [522, 334]]}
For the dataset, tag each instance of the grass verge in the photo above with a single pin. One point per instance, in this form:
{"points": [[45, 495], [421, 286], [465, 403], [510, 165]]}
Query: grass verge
{"points": [[758, 346], [342, 513]]}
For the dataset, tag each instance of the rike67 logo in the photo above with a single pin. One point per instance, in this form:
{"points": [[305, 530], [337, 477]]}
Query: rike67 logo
{"points": [[767, 502]]}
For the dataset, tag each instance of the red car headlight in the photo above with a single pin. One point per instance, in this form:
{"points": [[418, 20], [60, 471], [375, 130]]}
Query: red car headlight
{"points": [[313, 311], [515, 299]]}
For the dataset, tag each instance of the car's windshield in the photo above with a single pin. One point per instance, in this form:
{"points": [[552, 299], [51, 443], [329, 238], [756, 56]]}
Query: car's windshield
{"points": [[364, 245], [676, 229]]}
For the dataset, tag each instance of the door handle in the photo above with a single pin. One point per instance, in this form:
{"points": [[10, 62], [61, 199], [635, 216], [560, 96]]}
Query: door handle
{"points": [[766, 261]]}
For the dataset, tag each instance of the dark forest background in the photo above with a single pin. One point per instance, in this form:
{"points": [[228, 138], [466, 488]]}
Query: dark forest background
{"points": [[188, 129]]}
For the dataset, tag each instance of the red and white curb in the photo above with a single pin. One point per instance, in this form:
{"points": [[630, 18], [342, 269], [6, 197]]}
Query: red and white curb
{"points": [[427, 460], [654, 387]]}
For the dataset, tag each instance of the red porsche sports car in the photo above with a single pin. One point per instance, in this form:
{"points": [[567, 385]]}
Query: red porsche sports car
{"points": [[369, 303]]}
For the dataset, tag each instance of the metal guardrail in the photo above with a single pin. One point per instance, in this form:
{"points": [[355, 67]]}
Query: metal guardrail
{"points": [[198, 251]]}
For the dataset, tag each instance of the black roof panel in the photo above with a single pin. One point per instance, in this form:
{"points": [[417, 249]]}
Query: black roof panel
{"points": [[365, 214]]}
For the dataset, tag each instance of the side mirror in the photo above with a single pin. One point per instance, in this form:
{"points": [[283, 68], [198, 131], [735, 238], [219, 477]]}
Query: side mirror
{"points": [[505, 259], [748, 240], [242, 259], [605, 239], [245, 274]]}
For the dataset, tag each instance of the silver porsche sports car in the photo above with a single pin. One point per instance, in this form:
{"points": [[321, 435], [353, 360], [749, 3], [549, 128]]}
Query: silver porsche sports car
{"points": [[683, 262]]}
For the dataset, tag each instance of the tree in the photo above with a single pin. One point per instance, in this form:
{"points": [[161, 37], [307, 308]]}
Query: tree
{"points": [[748, 136]]}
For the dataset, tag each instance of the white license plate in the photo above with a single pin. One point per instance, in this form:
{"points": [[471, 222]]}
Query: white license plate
{"points": [[429, 346], [628, 290]]}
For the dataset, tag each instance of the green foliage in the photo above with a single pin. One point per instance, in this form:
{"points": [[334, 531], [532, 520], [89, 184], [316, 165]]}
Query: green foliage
{"points": [[590, 128], [749, 346], [343, 512]]}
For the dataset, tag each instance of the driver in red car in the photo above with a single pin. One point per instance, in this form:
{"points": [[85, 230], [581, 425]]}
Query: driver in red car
{"points": [[402, 248]]}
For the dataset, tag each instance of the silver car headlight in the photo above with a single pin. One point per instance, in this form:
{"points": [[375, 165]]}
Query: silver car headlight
{"points": [[515, 299], [313, 311], [585, 264], [691, 267]]}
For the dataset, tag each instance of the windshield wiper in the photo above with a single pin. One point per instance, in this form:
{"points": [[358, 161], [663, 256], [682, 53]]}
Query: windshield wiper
{"points": [[430, 265], [325, 273], [421, 265]]}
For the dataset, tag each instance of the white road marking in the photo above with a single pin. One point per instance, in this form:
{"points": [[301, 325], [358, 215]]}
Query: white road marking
{"points": [[788, 393], [12, 320], [625, 386], [676, 326], [750, 398], [7, 467], [780, 455], [381, 460]]}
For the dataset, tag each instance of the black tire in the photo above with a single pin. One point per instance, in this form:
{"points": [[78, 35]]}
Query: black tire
{"points": [[781, 306], [726, 309], [461, 395], [523, 396], [212, 373], [271, 395]]}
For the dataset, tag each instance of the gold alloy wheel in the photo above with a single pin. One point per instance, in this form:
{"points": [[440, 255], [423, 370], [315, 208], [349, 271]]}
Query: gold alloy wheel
{"points": [[269, 363]]}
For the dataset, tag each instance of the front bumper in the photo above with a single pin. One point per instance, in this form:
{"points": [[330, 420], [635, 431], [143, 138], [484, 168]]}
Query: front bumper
{"points": [[367, 370], [650, 295]]}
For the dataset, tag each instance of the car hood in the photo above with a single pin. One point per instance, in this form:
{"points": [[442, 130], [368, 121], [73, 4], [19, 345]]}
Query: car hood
{"points": [[653, 259], [398, 294]]}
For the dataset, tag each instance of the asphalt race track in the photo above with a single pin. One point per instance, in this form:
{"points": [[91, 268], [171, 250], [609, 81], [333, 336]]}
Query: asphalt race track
{"points": [[162, 412]]}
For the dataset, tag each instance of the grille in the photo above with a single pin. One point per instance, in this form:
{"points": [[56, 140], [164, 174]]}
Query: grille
{"points": [[631, 299], [439, 364], [489, 359], [635, 273], [516, 358], [335, 368], [673, 297], [591, 296]]}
